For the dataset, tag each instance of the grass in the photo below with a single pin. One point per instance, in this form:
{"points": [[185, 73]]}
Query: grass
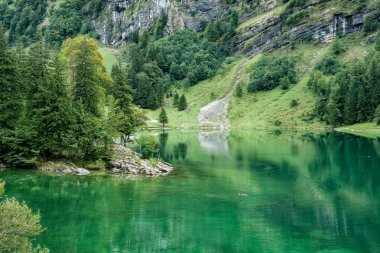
{"points": [[262, 18], [109, 57], [370, 130], [197, 96], [269, 109]]}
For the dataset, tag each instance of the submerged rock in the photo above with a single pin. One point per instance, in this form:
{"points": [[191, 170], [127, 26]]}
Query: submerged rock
{"points": [[127, 161], [2, 166], [64, 168]]}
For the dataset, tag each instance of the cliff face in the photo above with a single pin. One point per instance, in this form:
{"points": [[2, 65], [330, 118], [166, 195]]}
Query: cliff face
{"points": [[124, 16], [263, 28], [272, 32]]}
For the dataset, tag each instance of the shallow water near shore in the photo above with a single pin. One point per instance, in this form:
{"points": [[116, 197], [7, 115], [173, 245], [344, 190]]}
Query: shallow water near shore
{"points": [[257, 191]]}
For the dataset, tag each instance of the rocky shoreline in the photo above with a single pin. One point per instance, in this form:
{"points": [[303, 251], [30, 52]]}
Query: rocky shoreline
{"points": [[124, 162]]}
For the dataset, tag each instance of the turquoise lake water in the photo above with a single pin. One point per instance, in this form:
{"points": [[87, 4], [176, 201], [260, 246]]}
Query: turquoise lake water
{"points": [[230, 192]]}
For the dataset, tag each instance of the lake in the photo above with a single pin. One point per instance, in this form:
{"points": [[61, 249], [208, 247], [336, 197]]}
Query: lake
{"points": [[251, 191]]}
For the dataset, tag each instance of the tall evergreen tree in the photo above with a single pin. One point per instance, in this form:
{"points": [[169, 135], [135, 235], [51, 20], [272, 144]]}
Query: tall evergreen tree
{"points": [[373, 83], [50, 107], [123, 96], [163, 118], [350, 106], [362, 105], [182, 104], [86, 67], [10, 92], [175, 100]]}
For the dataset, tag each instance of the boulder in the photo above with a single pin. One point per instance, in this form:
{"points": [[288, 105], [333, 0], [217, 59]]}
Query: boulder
{"points": [[126, 161], [64, 168]]}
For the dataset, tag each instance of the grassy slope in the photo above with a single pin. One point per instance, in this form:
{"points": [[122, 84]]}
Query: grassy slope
{"points": [[109, 57], [267, 107], [197, 96], [364, 129], [262, 109]]}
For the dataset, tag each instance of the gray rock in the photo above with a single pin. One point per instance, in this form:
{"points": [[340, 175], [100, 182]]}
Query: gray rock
{"points": [[64, 168], [126, 161], [124, 16], [272, 33]]}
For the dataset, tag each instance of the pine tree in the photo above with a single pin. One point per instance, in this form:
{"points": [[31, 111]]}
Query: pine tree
{"points": [[10, 92], [163, 118], [86, 67], [175, 100], [362, 105], [50, 111], [182, 104], [350, 105], [144, 40], [123, 95], [333, 115], [373, 83]]}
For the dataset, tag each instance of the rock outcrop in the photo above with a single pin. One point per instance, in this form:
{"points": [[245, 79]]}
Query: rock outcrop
{"points": [[63, 168], [267, 34], [126, 161], [125, 16]]}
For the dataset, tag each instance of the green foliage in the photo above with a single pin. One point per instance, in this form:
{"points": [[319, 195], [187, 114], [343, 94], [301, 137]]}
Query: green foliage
{"points": [[175, 100], [337, 47], [163, 118], [269, 72], [377, 116], [328, 65], [352, 96], [182, 104], [370, 24], [10, 92], [70, 107], [148, 146], [18, 224], [239, 90], [294, 103], [65, 22], [23, 18], [222, 31], [160, 25], [86, 71]]}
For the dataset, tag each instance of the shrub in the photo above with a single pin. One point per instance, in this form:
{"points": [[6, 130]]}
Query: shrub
{"points": [[148, 146], [328, 66], [294, 103], [269, 72], [370, 24]]}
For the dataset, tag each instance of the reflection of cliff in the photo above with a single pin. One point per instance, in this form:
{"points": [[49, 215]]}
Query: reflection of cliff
{"points": [[214, 142]]}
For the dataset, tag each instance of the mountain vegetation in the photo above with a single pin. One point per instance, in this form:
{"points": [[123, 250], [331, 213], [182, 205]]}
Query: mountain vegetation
{"points": [[58, 101]]}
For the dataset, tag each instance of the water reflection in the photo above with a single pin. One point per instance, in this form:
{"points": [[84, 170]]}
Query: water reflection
{"points": [[214, 142], [303, 192]]}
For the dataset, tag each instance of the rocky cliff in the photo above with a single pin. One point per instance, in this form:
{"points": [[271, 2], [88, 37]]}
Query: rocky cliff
{"points": [[124, 16], [264, 25], [272, 30]]}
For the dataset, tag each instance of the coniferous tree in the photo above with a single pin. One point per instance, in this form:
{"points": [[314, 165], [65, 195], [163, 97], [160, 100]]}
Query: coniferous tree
{"points": [[51, 114], [182, 104], [362, 105], [10, 86], [373, 82], [175, 100], [350, 106], [123, 96], [85, 66], [163, 118]]}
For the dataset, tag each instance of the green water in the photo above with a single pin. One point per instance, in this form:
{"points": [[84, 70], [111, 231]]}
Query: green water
{"points": [[243, 192]]}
